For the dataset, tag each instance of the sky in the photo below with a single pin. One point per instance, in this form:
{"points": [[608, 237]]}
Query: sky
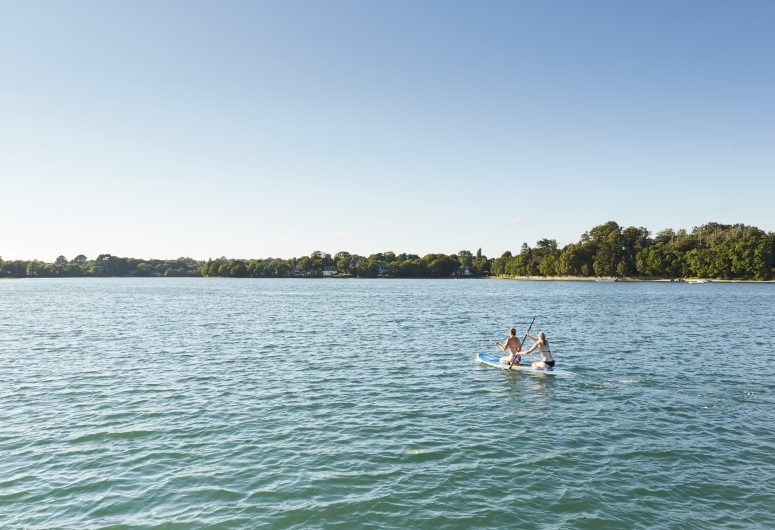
{"points": [[274, 129]]}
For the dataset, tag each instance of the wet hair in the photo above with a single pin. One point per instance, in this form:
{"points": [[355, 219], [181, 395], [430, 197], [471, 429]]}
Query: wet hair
{"points": [[542, 338], [513, 332]]}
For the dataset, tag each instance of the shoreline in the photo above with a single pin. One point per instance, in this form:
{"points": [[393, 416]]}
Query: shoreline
{"points": [[621, 280], [502, 277]]}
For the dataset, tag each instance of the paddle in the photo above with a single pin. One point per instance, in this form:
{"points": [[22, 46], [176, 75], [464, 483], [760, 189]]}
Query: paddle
{"points": [[514, 357]]}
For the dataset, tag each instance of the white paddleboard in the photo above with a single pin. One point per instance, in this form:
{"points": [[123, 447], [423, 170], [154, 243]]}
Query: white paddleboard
{"points": [[494, 360]]}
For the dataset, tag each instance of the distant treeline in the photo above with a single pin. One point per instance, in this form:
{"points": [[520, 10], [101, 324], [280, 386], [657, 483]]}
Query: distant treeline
{"points": [[709, 251], [103, 265]]}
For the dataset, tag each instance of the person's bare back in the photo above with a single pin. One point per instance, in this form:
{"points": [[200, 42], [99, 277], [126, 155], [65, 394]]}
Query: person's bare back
{"points": [[513, 345]]}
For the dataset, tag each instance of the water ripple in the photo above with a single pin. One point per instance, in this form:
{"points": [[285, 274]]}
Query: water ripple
{"points": [[178, 403]]}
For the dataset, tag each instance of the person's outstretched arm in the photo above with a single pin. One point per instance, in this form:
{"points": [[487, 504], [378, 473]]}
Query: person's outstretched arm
{"points": [[530, 350]]}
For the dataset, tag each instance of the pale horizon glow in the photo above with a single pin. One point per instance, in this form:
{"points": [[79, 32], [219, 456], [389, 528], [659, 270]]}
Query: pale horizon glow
{"points": [[274, 129]]}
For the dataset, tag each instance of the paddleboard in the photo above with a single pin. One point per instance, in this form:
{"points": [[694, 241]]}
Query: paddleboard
{"points": [[494, 360]]}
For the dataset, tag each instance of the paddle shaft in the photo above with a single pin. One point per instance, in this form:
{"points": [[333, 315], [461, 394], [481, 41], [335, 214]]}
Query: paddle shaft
{"points": [[514, 357]]}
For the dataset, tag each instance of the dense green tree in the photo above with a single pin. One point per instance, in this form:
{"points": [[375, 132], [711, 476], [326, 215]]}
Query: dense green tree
{"points": [[238, 269], [664, 236], [465, 259], [343, 261], [34, 268], [440, 265], [481, 266], [659, 260], [363, 268], [572, 260], [632, 241], [499, 264], [304, 266], [108, 265]]}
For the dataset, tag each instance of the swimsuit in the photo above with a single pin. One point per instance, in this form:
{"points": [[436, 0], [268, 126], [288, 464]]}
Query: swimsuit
{"points": [[544, 354]]}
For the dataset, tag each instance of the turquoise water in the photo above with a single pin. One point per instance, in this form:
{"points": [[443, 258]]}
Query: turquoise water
{"points": [[356, 403]]}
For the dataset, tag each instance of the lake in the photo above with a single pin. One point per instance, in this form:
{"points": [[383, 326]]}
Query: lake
{"points": [[356, 403]]}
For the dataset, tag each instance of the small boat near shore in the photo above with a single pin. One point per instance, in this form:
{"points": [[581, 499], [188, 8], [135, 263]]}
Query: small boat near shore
{"points": [[697, 281]]}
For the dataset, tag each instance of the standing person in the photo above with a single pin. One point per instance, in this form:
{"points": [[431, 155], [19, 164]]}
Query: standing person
{"points": [[542, 345], [513, 345]]}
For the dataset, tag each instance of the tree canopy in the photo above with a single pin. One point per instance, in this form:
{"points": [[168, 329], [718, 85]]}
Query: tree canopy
{"points": [[712, 250]]}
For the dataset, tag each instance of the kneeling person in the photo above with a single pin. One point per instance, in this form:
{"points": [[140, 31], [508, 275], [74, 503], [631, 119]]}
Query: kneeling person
{"points": [[542, 345], [513, 345]]}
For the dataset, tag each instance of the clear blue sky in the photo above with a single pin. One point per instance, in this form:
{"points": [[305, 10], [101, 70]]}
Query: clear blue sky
{"points": [[255, 129]]}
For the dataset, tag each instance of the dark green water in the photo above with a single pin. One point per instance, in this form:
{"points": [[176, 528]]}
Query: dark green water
{"points": [[357, 404]]}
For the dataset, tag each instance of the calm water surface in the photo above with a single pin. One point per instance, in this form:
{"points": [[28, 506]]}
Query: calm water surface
{"points": [[356, 404]]}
